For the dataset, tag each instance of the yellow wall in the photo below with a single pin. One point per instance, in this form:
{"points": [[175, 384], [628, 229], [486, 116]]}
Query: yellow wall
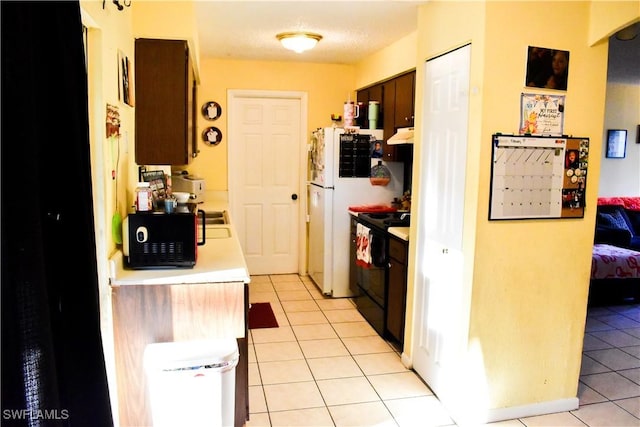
{"points": [[395, 59], [620, 177], [327, 86], [607, 17], [168, 20], [526, 281], [545, 265], [109, 31]]}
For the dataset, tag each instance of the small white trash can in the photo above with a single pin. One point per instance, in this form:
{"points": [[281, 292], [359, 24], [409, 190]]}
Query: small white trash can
{"points": [[192, 383]]}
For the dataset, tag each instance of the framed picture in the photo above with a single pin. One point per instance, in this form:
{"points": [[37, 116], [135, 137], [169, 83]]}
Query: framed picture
{"points": [[547, 68], [616, 143], [125, 79]]}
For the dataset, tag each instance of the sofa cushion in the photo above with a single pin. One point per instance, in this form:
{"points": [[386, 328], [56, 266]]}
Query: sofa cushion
{"points": [[613, 220]]}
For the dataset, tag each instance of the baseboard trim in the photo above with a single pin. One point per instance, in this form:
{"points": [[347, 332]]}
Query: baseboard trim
{"points": [[406, 361], [523, 411]]}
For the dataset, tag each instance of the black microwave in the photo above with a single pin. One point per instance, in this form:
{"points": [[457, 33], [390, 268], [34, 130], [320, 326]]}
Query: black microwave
{"points": [[161, 240]]}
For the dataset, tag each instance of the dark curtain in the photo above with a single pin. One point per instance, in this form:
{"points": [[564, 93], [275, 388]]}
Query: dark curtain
{"points": [[53, 370]]}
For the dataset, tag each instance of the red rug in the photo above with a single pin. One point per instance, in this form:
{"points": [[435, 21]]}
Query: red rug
{"points": [[261, 316]]}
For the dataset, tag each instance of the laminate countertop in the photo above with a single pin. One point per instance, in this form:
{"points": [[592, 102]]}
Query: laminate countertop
{"points": [[219, 260], [400, 232]]}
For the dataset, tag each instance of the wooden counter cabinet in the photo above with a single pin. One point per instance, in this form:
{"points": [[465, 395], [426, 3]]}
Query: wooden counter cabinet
{"points": [[397, 289], [145, 314]]}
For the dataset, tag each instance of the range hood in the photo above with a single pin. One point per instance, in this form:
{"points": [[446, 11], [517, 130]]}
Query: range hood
{"points": [[403, 136]]}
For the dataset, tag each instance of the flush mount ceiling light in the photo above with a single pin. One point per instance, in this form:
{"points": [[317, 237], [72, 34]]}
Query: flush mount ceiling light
{"points": [[299, 42]]}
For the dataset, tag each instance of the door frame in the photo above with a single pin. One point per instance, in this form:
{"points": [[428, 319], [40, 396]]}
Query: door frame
{"points": [[235, 94]]}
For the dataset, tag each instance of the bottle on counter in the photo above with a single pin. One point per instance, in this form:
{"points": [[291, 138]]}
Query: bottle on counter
{"points": [[144, 197], [169, 190]]}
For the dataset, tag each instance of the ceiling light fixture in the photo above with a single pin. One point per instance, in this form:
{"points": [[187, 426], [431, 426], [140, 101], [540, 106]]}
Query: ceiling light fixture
{"points": [[299, 42]]}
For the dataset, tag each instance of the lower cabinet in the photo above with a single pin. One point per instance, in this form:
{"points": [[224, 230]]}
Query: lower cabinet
{"points": [[397, 289], [148, 314]]}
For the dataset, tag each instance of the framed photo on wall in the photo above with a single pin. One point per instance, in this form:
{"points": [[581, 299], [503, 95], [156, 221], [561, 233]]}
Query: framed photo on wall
{"points": [[547, 68], [616, 143], [125, 79]]}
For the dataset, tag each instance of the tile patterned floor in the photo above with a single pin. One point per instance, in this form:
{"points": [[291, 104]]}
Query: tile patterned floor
{"points": [[326, 366]]}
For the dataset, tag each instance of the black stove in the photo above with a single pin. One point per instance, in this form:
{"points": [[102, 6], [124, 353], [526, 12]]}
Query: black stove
{"points": [[385, 220]]}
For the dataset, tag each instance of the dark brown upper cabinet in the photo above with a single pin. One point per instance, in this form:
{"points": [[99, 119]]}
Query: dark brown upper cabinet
{"points": [[397, 100], [165, 103], [404, 109]]}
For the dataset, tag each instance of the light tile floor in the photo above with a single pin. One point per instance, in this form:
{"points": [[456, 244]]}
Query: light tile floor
{"points": [[326, 366]]}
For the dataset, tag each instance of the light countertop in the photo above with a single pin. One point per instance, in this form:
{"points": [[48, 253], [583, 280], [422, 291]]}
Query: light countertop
{"points": [[400, 232], [220, 259]]}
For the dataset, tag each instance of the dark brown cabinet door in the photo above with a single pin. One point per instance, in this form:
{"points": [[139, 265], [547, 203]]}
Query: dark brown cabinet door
{"points": [[404, 111], [374, 93], [397, 289], [396, 97], [164, 102], [388, 116]]}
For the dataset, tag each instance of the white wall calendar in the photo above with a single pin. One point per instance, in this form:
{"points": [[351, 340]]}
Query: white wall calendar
{"points": [[538, 177]]}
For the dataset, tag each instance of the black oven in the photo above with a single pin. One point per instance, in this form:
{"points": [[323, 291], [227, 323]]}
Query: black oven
{"points": [[371, 281]]}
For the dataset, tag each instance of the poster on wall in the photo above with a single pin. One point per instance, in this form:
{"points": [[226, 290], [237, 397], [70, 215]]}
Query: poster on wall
{"points": [[541, 114], [538, 177], [547, 68]]}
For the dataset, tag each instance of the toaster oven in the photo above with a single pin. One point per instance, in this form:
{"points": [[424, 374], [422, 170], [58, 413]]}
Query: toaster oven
{"points": [[160, 240], [189, 184]]}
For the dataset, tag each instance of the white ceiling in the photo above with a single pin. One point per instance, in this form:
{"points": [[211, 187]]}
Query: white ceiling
{"points": [[351, 30]]}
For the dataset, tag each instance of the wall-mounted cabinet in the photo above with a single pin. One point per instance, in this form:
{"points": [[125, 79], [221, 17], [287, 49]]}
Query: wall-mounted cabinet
{"points": [[396, 98], [165, 103]]}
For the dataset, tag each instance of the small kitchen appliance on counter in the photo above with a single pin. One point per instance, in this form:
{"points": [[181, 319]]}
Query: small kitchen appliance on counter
{"points": [[160, 240], [189, 184]]}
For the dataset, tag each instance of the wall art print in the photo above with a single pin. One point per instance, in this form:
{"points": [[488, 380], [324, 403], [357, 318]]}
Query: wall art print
{"points": [[547, 68], [125, 79], [541, 114]]}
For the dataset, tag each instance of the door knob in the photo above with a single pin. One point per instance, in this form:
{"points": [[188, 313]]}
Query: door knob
{"points": [[294, 196]]}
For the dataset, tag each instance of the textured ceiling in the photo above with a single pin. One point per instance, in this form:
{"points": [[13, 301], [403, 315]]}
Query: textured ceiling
{"points": [[351, 30]]}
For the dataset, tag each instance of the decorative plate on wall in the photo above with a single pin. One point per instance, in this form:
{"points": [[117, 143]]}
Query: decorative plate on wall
{"points": [[212, 136], [211, 110]]}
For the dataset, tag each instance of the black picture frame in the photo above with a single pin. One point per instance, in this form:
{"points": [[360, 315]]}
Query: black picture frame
{"points": [[547, 68], [616, 143]]}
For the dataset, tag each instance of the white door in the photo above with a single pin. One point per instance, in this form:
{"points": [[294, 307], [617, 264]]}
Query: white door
{"points": [[437, 313], [265, 145]]}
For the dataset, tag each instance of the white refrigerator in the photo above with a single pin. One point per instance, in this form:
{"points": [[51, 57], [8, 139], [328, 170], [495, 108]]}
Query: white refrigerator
{"points": [[330, 196]]}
